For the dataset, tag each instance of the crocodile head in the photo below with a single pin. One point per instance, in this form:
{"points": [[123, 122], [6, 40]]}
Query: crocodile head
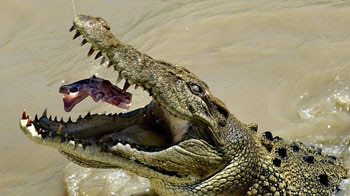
{"points": [[178, 137]]}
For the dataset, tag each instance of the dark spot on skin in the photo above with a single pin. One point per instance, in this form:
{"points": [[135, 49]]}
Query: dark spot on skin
{"points": [[332, 158], [282, 152], [318, 150], [265, 188], [327, 161], [264, 172], [253, 127], [277, 138], [277, 162], [268, 135], [222, 123], [295, 147], [324, 179], [309, 159], [268, 148]]}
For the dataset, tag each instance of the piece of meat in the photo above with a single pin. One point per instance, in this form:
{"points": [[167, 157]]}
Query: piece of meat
{"points": [[98, 89]]}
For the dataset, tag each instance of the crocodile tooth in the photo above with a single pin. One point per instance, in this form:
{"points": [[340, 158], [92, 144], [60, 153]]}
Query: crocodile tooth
{"points": [[55, 119], [83, 42], [72, 143], [72, 28], [24, 115], [126, 86], [99, 54], [59, 129], [77, 34], [109, 64], [119, 78], [29, 122], [103, 60], [44, 115], [90, 51]]}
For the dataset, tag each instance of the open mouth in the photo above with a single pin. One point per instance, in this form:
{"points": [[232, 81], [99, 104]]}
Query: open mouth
{"points": [[151, 128]]}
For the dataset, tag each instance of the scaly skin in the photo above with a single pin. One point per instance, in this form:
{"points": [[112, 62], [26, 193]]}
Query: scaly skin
{"points": [[185, 141]]}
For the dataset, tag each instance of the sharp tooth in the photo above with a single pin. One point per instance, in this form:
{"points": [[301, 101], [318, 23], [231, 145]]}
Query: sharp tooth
{"points": [[90, 51], [29, 122], [55, 119], [36, 117], [103, 60], [50, 118], [44, 115], [59, 130], [72, 28], [99, 54], [77, 34], [126, 86], [24, 115], [119, 78], [109, 64], [83, 42]]}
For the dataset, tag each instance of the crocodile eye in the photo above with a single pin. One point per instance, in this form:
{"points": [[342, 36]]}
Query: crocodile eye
{"points": [[196, 89]]}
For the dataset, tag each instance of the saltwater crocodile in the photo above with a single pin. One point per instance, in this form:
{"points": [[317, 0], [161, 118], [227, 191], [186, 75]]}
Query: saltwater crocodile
{"points": [[185, 140]]}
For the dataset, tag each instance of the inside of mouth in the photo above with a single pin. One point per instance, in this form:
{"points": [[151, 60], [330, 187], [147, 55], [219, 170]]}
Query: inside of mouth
{"points": [[151, 127], [147, 128]]}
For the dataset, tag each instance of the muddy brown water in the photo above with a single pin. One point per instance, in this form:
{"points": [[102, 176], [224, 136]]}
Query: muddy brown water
{"points": [[284, 65]]}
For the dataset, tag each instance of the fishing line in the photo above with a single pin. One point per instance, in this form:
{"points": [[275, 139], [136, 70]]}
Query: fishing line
{"points": [[75, 13]]}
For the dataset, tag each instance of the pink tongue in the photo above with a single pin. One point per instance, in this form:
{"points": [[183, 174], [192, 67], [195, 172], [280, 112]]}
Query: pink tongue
{"points": [[98, 89]]}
